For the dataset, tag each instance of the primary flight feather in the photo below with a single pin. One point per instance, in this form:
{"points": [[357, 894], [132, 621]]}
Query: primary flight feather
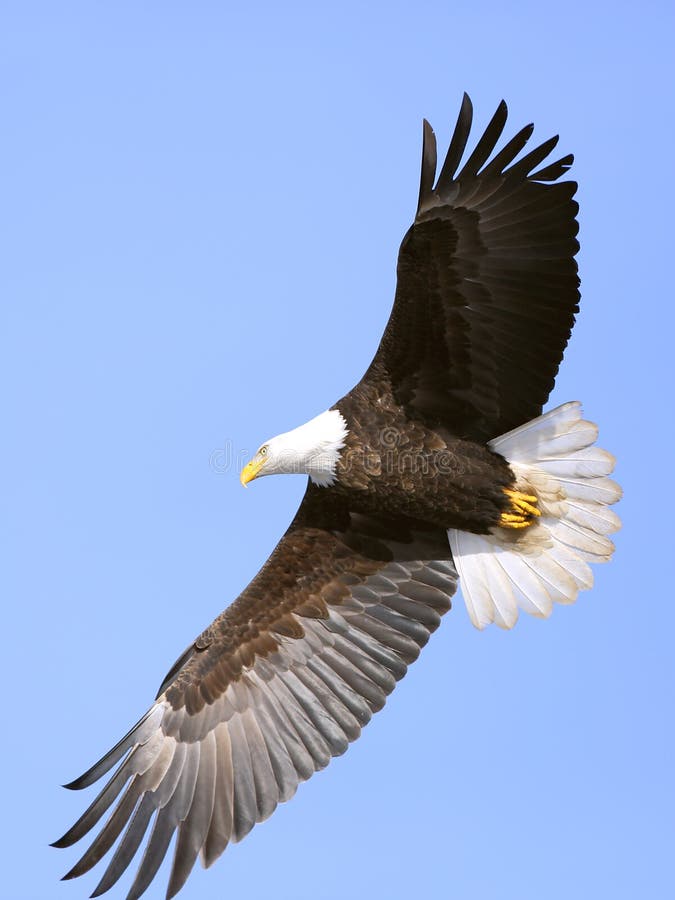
{"points": [[438, 465]]}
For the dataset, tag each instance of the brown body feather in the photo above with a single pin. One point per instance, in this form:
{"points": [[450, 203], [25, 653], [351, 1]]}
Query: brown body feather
{"points": [[398, 466]]}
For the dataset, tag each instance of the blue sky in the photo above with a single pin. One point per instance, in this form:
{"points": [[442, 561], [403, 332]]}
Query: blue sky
{"points": [[201, 207]]}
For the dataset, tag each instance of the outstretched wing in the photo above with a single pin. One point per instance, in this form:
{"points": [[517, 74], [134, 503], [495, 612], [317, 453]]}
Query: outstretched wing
{"points": [[487, 285], [282, 681]]}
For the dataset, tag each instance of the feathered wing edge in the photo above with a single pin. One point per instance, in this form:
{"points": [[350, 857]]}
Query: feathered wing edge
{"points": [[487, 286], [211, 776], [449, 176]]}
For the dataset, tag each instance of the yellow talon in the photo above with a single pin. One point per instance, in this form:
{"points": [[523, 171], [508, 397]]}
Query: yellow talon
{"points": [[527, 507], [517, 495], [522, 511]]}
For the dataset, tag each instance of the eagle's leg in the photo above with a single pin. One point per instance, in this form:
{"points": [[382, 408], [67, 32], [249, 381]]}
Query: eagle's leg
{"points": [[522, 510]]}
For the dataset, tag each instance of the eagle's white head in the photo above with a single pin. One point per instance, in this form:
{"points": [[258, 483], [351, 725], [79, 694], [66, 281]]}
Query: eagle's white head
{"points": [[312, 449]]}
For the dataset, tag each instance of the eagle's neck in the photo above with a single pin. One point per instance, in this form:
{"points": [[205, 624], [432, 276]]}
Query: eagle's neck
{"points": [[313, 448]]}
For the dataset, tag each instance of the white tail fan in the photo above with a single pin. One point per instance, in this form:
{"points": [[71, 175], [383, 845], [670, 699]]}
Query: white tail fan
{"points": [[547, 563]]}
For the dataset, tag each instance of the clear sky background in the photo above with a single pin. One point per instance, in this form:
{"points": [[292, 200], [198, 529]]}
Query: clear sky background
{"points": [[201, 206]]}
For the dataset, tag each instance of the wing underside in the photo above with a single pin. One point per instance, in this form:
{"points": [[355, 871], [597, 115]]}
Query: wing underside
{"points": [[487, 286], [284, 680]]}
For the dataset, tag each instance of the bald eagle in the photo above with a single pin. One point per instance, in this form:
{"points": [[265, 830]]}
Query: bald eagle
{"points": [[437, 467]]}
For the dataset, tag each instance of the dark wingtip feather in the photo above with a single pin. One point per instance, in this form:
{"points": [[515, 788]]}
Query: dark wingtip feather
{"points": [[62, 842], [78, 869], [172, 890], [555, 170], [508, 152], [487, 142], [76, 784], [137, 734], [428, 171], [524, 166], [502, 111], [175, 886], [104, 764], [457, 143]]}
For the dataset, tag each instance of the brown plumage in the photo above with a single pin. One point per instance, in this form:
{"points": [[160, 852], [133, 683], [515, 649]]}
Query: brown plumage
{"points": [[397, 465], [288, 675], [487, 286]]}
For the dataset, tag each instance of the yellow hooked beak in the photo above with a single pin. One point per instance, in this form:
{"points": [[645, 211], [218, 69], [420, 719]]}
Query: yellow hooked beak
{"points": [[252, 469]]}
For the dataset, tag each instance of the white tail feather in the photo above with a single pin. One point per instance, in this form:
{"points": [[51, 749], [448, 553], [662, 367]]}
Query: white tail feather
{"points": [[547, 563]]}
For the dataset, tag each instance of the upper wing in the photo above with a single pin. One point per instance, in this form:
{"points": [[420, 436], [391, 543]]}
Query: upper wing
{"points": [[487, 285], [284, 679]]}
